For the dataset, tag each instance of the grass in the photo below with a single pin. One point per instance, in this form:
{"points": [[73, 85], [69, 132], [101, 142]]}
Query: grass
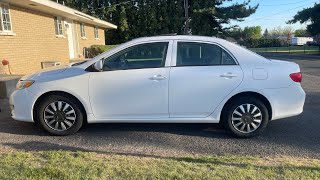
{"points": [[290, 49], [88, 165]]}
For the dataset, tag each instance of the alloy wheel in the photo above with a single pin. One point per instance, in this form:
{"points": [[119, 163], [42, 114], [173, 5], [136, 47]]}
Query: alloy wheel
{"points": [[246, 118], [59, 115]]}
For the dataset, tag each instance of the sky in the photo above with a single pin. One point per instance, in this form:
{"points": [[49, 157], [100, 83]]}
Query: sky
{"points": [[274, 13]]}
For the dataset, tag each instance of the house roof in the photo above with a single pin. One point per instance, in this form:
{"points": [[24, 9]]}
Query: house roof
{"points": [[57, 9]]}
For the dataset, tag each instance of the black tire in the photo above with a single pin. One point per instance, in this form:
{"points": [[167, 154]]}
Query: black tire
{"points": [[77, 123], [229, 110]]}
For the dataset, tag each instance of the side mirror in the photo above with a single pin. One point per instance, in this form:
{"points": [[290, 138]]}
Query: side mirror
{"points": [[98, 65]]}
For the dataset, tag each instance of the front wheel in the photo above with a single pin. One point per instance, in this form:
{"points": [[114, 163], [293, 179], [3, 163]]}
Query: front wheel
{"points": [[246, 117], [60, 115]]}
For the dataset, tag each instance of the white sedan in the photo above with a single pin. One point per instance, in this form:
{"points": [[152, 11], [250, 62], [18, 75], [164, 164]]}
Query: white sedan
{"points": [[163, 79]]}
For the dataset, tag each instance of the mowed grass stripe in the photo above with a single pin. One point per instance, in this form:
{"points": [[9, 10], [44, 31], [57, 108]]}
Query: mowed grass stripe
{"points": [[86, 165]]}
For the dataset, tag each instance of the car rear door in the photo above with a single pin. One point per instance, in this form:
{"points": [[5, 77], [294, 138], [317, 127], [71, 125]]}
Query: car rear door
{"points": [[202, 74], [134, 83]]}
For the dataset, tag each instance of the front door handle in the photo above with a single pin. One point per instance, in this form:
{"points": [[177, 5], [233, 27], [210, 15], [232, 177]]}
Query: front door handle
{"points": [[228, 75], [158, 77]]}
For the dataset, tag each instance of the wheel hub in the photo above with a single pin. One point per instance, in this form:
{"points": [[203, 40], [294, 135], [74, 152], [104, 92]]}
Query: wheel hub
{"points": [[59, 116], [247, 118]]}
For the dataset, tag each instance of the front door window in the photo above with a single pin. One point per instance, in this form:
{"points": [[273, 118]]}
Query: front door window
{"points": [[150, 55]]}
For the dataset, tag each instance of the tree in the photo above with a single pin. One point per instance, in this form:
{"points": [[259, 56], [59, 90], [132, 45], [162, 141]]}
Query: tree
{"points": [[266, 33], [287, 30], [235, 33], [138, 18], [209, 17], [249, 32], [281, 31], [253, 32], [301, 33], [311, 15]]}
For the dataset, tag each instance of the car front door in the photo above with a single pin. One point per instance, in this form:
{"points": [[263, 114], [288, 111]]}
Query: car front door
{"points": [[200, 78], [133, 83]]}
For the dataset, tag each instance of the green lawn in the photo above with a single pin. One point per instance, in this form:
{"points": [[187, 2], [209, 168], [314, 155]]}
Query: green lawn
{"points": [[86, 165], [291, 49]]}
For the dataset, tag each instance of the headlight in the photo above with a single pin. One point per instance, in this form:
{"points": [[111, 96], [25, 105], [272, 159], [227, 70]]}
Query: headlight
{"points": [[24, 84]]}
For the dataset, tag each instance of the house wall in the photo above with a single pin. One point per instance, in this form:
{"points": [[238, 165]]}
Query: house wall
{"points": [[35, 41], [90, 39]]}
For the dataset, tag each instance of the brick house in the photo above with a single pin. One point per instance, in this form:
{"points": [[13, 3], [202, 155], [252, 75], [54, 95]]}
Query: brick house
{"points": [[33, 31]]}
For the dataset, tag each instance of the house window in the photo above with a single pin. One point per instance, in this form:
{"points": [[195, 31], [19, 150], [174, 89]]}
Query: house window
{"points": [[5, 18], [96, 33], [82, 30], [58, 26]]}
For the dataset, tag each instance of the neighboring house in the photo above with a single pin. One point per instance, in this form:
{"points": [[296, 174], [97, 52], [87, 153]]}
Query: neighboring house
{"points": [[281, 37], [300, 41], [33, 31]]}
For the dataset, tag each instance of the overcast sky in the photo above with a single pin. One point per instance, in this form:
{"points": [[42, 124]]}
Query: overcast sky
{"points": [[274, 13]]}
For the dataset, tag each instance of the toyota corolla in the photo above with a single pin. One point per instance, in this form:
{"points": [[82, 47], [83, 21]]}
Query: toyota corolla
{"points": [[163, 79]]}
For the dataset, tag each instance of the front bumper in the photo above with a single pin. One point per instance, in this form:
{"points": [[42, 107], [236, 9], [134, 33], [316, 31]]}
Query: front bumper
{"points": [[21, 103], [286, 102]]}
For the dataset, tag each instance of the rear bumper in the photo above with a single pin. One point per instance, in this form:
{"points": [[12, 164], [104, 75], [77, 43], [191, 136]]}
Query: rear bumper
{"points": [[21, 103], [286, 102]]}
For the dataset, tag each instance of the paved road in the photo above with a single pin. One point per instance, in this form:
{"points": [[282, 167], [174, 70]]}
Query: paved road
{"points": [[297, 136]]}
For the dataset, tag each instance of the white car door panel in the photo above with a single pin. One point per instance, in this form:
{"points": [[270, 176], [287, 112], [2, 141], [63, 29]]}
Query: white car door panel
{"points": [[196, 90], [133, 92], [129, 93]]}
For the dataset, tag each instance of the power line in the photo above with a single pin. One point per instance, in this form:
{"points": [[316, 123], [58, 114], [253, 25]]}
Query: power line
{"points": [[276, 13], [282, 4]]}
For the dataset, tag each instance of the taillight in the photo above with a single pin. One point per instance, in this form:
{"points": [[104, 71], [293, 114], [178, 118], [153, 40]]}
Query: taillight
{"points": [[296, 77]]}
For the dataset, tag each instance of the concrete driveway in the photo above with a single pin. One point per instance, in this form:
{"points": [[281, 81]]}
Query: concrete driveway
{"points": [[297, 136]]}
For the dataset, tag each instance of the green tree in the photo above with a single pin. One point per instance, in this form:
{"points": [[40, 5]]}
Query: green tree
{"points": [[209, 17], [249, 32], [235, 33], [139, 18], [301, 33], [281, 31], [311, 15], [253, 32], [266, 33]]}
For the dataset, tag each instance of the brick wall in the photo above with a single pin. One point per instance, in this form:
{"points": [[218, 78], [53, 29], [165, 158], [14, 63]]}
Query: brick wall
{"points": [[90, 39], [35, 41]]}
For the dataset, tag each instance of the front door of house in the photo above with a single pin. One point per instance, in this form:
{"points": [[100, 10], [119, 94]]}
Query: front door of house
{"points": [[70, 36]]}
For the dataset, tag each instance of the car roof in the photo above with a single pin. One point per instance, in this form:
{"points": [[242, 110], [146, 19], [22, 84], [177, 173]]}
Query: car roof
{"points": [[178, 37]]}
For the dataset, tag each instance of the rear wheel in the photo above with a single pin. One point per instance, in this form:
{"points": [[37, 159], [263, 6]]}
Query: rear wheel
{"points": [[245, 117], [60, 115]]}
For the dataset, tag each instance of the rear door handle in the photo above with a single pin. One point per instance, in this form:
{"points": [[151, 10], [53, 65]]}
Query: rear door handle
{"points": [[158, 77], [228, 75]]}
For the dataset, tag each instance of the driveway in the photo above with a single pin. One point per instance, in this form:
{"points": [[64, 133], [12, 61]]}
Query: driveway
{"points": [[296, 136]]}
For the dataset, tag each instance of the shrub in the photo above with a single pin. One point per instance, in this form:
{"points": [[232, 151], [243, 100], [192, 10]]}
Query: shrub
{"points": [[263, 42], [95, 50]]}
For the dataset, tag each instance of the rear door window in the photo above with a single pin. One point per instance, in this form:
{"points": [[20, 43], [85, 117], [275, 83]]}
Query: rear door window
{"points": [[202, 54]]}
